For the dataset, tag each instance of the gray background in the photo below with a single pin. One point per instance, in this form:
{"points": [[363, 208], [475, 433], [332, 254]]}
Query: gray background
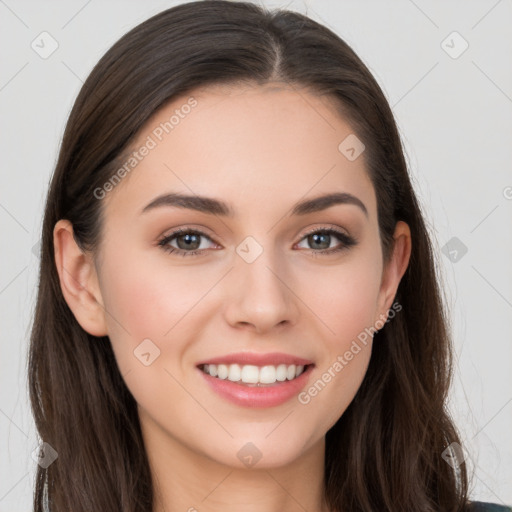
{"points": [[455, 116]]}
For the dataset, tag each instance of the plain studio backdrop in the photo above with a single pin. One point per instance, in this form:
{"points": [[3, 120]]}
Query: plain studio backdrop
{"points": [[445, 68]]}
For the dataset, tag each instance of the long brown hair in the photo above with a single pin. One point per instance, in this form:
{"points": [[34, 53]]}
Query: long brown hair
{"points": [[386, 450]]}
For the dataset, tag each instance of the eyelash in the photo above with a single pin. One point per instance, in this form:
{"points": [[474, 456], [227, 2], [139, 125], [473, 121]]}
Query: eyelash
{"points": [[346, 241]]}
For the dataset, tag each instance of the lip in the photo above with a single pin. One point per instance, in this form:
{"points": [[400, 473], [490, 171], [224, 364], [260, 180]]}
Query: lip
{"points": [[266, 396], [272, 358]]}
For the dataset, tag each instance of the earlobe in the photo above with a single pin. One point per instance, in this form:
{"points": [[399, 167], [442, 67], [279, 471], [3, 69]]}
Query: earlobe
{"points": [[395, 268], [78, 280]]}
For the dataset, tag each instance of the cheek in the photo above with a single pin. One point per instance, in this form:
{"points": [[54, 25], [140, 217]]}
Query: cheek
{"points": [[142, 303], [338, 377], [148, 294], [151, 300], [147, 318], [337, 384], [344, 298]]}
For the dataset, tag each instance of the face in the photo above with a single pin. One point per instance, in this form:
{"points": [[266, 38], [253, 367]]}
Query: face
{"points": [[263, 277]]}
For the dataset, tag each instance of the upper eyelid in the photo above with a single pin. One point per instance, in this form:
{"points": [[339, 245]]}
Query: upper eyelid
{"points": [[181, 231], [327, 227]]}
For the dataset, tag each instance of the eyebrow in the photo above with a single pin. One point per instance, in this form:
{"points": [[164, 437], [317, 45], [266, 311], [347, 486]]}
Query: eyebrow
{"points": [[212, 206]]}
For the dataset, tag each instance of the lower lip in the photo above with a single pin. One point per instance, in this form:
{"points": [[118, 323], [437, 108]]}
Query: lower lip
{"points": [[266, 396]]}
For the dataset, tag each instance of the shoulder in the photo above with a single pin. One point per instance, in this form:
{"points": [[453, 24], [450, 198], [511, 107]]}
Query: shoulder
{"points": [[480, 506]]}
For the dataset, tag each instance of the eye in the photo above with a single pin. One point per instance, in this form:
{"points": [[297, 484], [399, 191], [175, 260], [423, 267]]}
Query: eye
{"points": [[322, 237], [186, 239], [189, 241]]}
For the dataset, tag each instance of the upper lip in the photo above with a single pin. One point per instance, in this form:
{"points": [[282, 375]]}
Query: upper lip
{"points": [[272, 358]]}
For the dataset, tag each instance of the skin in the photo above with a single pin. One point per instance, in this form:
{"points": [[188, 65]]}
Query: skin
{"points": [[260, 148]]}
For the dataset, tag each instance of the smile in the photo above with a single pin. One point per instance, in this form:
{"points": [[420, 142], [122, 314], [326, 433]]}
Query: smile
{"points": [[269, 385]]}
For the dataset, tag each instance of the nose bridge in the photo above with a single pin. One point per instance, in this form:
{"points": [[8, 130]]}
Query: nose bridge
{"points": [[262, 297]]}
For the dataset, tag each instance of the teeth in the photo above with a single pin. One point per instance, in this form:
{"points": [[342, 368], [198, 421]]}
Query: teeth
{"points": [[250, 374], [222, 371], [235, 372]]}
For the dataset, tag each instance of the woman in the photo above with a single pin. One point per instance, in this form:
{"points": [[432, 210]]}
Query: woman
{"points": [[193, 348]]}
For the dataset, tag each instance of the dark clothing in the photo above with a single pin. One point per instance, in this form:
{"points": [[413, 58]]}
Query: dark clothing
{"points": [[480, 506]]}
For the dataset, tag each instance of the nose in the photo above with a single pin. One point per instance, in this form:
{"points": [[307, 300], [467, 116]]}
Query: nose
{"points": [[259, 295]]}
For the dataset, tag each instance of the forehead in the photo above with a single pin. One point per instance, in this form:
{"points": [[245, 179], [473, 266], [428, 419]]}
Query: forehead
{"points": [[252, 145]]}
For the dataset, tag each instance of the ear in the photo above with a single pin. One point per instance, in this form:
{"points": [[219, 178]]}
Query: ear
{"points": [[395, 269], [78, 280]]}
